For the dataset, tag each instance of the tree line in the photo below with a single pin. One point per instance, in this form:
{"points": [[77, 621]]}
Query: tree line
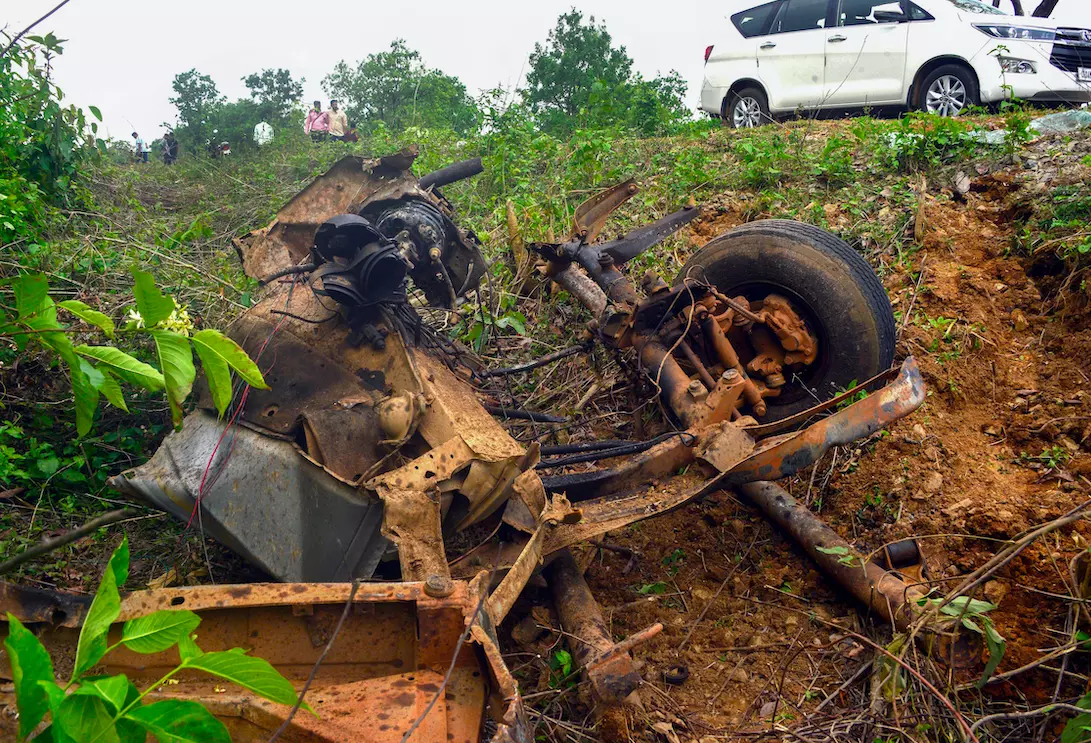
{"points": [[576, 78]]}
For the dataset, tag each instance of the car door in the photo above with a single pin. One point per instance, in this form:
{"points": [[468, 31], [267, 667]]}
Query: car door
{"points": [[866, 54], [791, 58]]}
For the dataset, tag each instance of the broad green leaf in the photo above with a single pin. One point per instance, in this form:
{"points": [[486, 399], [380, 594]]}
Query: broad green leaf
{"points": [[248, 672], [152, 304], [217, 374], [95, 112], [187, 648], [157, 632], [54, 733], [996, 644], [966, 606], [111, 390], [104, 610], [125, 366], [30, 663], [89, 316], [176, 361], [842, 550], [113, 689], [1076, 730], [217, 344], [179, 721], [86, 718], [31, 294], [84, 391]]}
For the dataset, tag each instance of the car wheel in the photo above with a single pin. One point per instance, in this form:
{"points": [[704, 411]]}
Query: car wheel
{"points": [[827, 283], [747, 108], [948, 91]]}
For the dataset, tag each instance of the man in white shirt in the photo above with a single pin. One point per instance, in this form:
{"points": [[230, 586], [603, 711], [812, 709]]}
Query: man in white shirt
{"points": [[263, 134], [141, 149], [339, 122]]}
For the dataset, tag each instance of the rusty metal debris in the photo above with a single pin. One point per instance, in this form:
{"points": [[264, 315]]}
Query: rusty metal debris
{"points": [[372, 450]]}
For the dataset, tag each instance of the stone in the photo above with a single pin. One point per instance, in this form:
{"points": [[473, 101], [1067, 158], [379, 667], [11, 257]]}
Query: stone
{"points": [[933, 482], [768, 709], [739, 675], [1019, 320], [995, 591]]}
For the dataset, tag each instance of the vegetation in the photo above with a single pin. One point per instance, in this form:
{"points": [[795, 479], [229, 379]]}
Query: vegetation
{"points": [[89, 708]]}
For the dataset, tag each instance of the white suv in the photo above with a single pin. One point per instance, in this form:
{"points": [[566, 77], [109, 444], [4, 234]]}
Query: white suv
{"points": [[941, 56]]}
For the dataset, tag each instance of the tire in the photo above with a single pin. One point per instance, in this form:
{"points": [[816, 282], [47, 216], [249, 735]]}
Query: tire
{"points": [[948, 90], [747, 108], [828, 283]]}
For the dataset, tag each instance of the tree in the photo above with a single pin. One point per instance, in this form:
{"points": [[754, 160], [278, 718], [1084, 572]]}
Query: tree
{"points": [[197, 99], [575, 57], [275, 92], [578, 78], [396, 88]]}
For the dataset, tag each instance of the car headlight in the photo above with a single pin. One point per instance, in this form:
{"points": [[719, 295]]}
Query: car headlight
{"points": [[1017, 66], [1003, 31]]}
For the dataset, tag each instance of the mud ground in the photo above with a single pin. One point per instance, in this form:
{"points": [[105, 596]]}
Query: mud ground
{"points": [[1002, 444]]}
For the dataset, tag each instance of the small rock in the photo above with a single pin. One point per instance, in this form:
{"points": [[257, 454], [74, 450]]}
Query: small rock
{"points": [[1019, 320], [962, 183], [1068, 443], [739, 527], [918, 432], [999, 287], [933, 482], [919, 495], [992, 429], [701, 594], [959, 507], [995, 591], [739, 675], [768, 709]]}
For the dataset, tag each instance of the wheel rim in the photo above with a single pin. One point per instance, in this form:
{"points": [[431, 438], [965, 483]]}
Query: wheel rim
{"points": [[946, 96], [747, 113]]}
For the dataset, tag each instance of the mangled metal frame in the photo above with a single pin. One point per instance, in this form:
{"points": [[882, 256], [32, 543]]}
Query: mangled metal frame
{"points": [[370, 443]]}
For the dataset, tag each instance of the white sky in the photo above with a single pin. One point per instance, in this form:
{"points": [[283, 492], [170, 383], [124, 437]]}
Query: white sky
{"points": [[122, 54]]}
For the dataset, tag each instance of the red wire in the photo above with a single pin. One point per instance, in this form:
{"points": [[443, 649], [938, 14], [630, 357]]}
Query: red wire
{"points": [[231, 424]]}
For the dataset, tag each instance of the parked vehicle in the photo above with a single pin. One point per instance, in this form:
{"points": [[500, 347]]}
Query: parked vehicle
{"points": [[941, 56]]}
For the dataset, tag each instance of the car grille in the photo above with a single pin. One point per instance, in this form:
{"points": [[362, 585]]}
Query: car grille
{"points": [[1072, 49]]}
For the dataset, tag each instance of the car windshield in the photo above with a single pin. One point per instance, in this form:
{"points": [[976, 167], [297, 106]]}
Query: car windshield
{"points": [[975, 6]]}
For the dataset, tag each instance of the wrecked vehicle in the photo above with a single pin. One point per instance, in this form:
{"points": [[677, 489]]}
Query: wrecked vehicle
{"points": [[372, 453]]}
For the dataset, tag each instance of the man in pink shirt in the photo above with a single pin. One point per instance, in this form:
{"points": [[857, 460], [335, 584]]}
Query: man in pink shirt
{"points": [[318, 123]]}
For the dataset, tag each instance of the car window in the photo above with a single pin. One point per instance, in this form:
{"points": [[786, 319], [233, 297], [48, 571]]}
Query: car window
{"points": [[800, 15], [754, 22], [974, 6], [916, 13], [862, 12]]}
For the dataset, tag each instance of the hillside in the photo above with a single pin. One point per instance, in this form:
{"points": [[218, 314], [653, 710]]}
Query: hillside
{"points": [[983, 250]]}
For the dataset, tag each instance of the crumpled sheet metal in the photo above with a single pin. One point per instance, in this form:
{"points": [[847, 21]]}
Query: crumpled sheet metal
{"points": [[280, 511], [385, 667]]}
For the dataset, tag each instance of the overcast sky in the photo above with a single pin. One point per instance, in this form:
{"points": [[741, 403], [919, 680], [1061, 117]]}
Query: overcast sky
{"points": [[121, 55]]}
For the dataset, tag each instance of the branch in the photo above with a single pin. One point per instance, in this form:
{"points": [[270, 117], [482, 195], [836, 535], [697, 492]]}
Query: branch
{"points": [[51, 544], [24, 32]]}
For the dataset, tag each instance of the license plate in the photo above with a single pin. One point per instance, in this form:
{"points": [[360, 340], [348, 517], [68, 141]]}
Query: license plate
{"points": [[1083, 74]]}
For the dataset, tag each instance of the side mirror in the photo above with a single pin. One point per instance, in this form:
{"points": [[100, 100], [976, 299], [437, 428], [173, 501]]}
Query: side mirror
{"points": [[889, 16]]}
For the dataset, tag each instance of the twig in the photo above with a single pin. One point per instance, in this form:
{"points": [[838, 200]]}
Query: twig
{"points": [[1049, 708], [913, 299], [26, 30], [51, 544], [851, 680], [314, 671]]}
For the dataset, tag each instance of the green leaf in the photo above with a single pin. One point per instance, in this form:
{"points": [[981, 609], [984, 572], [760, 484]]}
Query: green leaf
{"points": [[152, 304], [30, 663], [84, 392], [218, 376], [157, 632], [187, 648], [833, 550], [104, 610], [111, 390], [176, 361], [125, 366], [95, 112], [31, 294], [248, 672], [215, 343], [86, 718], [179, 721], [113, 689], [966, 606], [89, 316], [996, 645], [1075, 731]]}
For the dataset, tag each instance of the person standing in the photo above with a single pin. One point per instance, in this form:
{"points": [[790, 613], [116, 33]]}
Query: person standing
{"points": [[318, 123], [141, 148], [339, 122], [263, 134], [170, 148]]}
